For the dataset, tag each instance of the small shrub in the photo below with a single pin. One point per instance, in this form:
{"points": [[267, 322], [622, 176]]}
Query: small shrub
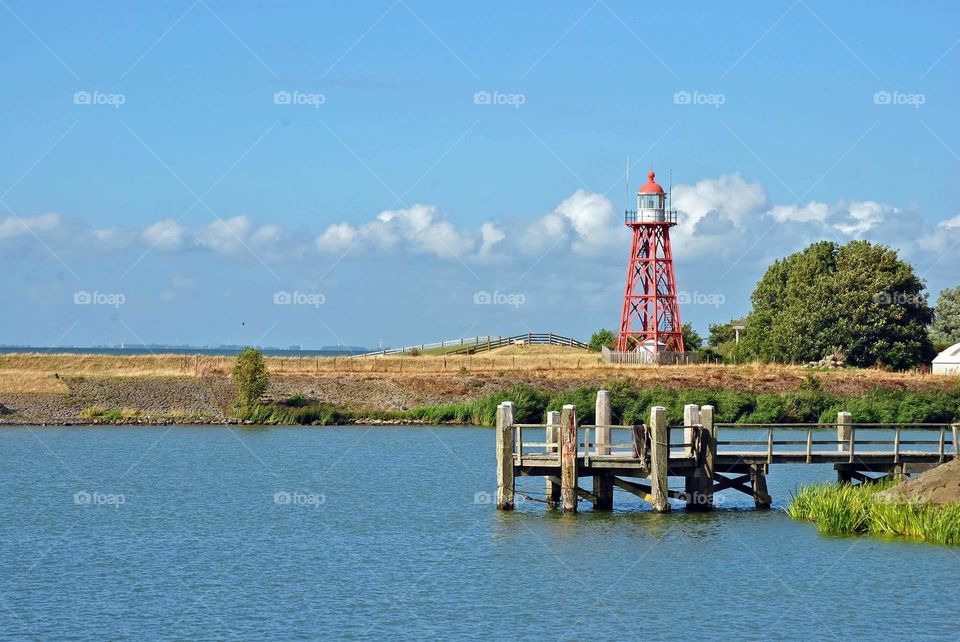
{"points": [[250, 377], [296, 400], [91, 412]]}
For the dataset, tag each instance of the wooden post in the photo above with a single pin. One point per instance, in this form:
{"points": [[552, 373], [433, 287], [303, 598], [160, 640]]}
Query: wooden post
{"points": [[758, 481], [553, 437], [691, 417], [568, 458], [659, 458], [844, 419], [604, 419], [700, 492], [505, 456], [603, 484], [691, 484]]}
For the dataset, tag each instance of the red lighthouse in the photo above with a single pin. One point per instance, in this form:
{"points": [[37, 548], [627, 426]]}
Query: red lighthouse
{"points": [[651, 315]]}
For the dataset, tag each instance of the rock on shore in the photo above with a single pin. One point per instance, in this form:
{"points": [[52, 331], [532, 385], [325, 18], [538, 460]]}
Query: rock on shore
{"points": [[938, 486]]}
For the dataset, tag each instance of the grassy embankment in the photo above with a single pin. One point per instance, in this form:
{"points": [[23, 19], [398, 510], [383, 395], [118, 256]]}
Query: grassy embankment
{"points": [[631, 405], [536, 378], [844, 509]]}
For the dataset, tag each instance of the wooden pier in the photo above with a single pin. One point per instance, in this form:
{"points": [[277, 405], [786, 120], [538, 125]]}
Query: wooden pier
{"points": [[564, 453]]}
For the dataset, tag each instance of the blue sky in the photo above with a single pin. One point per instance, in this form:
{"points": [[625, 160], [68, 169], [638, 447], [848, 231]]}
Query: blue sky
{"points": [[152, 153]]}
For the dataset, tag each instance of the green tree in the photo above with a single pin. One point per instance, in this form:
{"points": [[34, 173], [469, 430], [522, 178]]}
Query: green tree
{"points": [[692, 341], [603, 337], [720, 333], [945, 330], [859, 297], [250, 377]]}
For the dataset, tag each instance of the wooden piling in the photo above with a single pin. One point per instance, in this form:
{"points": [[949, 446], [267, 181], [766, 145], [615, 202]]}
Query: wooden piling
{"points": [[603, 484], [568, 459], [603, 421], [758, 483], [553, 437], [700, 491], [844, 419], [659, 458], [691, 417], [505, 456]]}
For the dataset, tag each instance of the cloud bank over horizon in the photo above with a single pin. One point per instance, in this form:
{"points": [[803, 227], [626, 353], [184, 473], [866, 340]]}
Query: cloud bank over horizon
{"points": [[415, 274], [726, 217]]}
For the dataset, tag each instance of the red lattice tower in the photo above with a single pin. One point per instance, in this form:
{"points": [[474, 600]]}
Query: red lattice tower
{"points": [[651, 315]]}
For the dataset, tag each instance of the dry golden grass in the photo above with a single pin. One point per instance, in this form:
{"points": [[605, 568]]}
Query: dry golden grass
{"points": [[35, 372], [24, 381]]}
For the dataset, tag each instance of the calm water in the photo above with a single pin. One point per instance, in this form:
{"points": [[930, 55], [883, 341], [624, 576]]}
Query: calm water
{"points": [[307, 533]]}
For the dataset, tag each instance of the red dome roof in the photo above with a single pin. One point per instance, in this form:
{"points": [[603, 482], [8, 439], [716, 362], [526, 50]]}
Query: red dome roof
{"points": [[651, 186]]}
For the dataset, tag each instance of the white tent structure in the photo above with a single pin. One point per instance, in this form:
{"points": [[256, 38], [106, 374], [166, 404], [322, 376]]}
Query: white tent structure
{"points": [[948, 361]]}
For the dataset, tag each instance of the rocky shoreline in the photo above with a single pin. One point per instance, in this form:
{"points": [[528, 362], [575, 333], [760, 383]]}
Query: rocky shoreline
{"points": [[209, 399]]}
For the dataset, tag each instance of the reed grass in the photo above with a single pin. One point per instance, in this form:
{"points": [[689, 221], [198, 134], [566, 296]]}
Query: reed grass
{"points": [[631, 405], [845, 509]]}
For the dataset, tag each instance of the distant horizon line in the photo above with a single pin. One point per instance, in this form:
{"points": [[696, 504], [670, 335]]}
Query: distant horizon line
{"points": [[147, 347]]}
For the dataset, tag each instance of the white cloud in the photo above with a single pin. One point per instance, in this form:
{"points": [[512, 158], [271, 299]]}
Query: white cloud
{"points": [[165, 235], [418, 227], [491, 235], [812, 212], [225, 236], [114, 237], [337, 238], [14, 226], [588, 219], [730, 196], [951, 223]]}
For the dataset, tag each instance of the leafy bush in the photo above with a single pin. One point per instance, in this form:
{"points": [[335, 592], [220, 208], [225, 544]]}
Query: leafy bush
{"points": [[250, 377], [603, 338]]}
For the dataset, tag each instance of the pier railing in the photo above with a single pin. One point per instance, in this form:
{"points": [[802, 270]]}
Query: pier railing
{"points": [[482, 344], [850, 439], [703, 452], [900, 441]]}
